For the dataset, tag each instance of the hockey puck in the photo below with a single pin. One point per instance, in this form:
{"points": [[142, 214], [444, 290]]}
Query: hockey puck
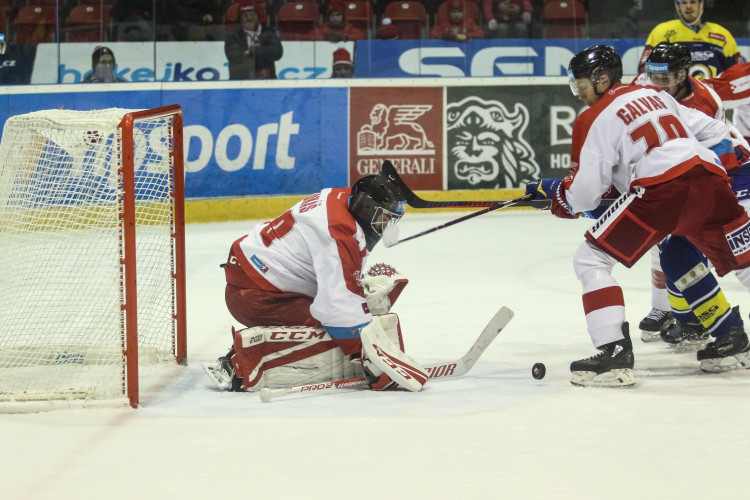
{"points": [[538, 371]]}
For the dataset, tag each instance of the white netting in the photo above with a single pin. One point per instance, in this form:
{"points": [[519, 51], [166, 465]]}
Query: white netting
{"points": [[61, 332]]}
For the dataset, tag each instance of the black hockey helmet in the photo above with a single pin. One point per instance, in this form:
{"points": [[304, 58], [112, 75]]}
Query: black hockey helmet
{"points": [[376, 201], [593, 63], [667, 67], [667, 57]]}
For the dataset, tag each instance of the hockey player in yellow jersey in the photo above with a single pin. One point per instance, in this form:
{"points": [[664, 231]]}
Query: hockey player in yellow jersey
{"points": [[713, 47]]}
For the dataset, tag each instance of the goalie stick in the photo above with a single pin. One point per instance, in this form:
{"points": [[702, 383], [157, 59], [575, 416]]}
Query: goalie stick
{"points": [[449, 369], [413, 200]]}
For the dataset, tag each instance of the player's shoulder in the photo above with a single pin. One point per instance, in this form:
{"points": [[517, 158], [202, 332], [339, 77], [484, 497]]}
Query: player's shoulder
{"points": [[702, 98], [666, 32], [705, 91], [615, 100], [717, 32], [324, 200]]}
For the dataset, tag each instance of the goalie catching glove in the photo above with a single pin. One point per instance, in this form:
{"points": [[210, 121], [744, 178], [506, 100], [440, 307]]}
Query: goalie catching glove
{"points": [[382, 285]]}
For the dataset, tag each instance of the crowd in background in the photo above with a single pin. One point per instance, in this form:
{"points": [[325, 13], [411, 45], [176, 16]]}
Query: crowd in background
{"points": [[252, 30], [35, 21]]}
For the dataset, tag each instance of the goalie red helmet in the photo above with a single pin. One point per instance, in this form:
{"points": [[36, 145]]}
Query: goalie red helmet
{"points": [[594, 63], [376, 202]]}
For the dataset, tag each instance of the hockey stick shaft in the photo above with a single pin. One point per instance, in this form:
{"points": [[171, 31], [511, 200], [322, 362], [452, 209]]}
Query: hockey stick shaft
{"points": [[413, 200], [496, 206], [448, 369]]}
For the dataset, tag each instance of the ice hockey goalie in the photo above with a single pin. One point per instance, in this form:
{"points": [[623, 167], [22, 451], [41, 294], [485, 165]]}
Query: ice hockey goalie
{"points": [[287, 356]]}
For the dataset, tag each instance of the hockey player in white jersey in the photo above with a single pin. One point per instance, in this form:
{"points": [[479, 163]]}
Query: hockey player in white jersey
{"points": [[298, 283], [640, 141]]}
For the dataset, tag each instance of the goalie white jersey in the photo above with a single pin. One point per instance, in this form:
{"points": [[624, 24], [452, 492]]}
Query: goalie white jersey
{"points": [[316, 248]]}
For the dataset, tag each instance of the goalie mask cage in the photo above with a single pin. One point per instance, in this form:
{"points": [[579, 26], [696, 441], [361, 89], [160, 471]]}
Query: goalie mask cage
{"points": [[92, 254]]}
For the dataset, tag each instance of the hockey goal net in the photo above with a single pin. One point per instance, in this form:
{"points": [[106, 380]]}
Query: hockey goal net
{"points": [[92, 275]]}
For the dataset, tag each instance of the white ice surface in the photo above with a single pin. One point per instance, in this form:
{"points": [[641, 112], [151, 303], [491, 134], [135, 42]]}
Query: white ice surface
{"points": [[496, 433]]}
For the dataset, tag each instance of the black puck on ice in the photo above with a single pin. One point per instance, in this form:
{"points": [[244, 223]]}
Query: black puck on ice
{"points": [[538, 371]]}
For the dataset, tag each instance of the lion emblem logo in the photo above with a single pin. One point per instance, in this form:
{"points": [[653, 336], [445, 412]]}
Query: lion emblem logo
{"points": [[394, 130]]}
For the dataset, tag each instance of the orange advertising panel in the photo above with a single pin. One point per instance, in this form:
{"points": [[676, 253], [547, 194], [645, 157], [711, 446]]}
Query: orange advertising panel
{"points": [[404, 125]]}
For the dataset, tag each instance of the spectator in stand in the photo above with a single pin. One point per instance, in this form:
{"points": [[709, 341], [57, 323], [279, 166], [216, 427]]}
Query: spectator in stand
{"points": [[102, 67], [507, 18], [456, 27], [342, 64], [387, 31], [336, 29], [191, 20], [252, 49]]}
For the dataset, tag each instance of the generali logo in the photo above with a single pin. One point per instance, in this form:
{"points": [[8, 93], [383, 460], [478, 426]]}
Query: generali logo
{"points": [[401, 124]]}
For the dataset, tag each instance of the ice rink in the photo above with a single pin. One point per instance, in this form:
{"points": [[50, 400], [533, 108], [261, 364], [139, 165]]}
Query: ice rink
{"points": [[496, 433]]}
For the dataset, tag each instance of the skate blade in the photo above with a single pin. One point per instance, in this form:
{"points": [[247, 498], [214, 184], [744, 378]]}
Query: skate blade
{"points": [[690, 345], [613, 378], [217, 376], [647, 336], [739, 361]]}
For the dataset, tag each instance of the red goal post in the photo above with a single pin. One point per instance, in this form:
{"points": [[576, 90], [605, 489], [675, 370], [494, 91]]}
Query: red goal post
{"points": [[92, 255]]}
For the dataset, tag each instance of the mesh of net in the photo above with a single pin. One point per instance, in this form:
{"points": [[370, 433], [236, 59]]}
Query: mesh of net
{"points": [[61, 293]]}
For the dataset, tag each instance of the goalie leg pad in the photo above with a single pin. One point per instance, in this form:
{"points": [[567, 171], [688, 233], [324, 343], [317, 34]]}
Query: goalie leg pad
{"points": [[277, 357], [380, 355]]}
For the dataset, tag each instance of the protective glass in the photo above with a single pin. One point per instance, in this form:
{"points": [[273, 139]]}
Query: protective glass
{"points": [[664, 80], [580, 85]]}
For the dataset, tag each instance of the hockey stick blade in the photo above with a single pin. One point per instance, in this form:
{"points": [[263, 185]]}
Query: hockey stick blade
{"points": [[497, 206], [450, 369], [498, 322], [413, 200]]}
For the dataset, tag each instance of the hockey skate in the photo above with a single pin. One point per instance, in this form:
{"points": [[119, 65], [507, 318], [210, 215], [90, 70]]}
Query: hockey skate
{"points": [[655, 324], [222, 375], [730, 351], [686, 336], [612, 367]]}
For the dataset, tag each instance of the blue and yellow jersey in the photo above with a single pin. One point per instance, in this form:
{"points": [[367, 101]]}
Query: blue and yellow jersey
{"points": [[713, 47]]}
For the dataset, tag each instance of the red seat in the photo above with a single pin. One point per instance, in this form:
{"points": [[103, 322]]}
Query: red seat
{"points": [[36, 24], [360, 14], [409, 17], [471, 9], [564, 19], [297, 20], [88, 23], [233, 13]]}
